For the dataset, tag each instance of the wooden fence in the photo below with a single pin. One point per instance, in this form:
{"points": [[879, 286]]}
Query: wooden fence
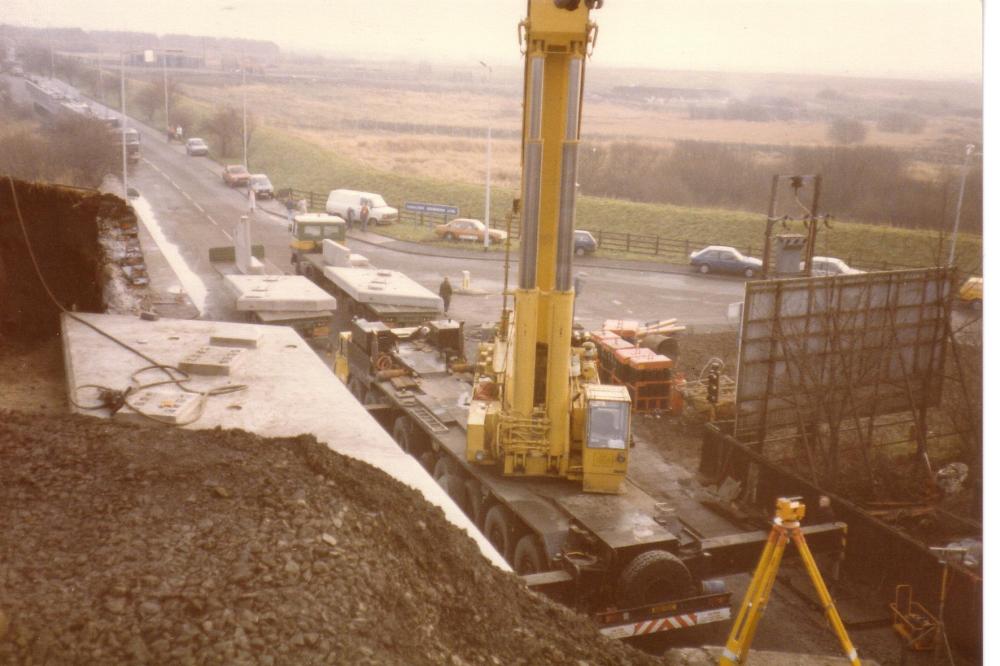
{"points": [[675, 250]]}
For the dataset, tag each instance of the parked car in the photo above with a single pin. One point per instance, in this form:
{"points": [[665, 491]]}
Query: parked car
{"points": [[823, 266], [464, 228], [196, 146], [236, 175], [971, 293], [725, 259], [261, 186], [347, 204], [583, 242]]}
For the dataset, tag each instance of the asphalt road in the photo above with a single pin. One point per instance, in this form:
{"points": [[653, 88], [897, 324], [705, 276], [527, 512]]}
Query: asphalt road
{"points": [[196, 211]]}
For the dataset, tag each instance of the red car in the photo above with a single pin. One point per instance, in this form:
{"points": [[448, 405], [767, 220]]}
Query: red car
{"points": [[236, 175]]}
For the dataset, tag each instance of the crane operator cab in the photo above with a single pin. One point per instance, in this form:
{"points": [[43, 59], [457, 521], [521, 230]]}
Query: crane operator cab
{"points": [[606, 437]]}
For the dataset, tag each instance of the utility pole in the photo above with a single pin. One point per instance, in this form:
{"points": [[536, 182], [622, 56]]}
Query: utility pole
{"points": [[166, 96], [121, 64], [243, 69], [969, 149], [489, 159]]}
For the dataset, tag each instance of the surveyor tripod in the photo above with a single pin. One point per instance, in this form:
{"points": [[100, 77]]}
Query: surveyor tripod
{"points": [[786, 527]]}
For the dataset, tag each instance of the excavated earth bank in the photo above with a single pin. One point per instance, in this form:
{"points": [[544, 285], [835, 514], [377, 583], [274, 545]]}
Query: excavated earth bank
{"points": [[124, 544]]}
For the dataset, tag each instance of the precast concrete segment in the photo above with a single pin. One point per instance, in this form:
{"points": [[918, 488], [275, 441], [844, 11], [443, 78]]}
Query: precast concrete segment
{"points": [[290, 391], [273, 293], [377, 285]]}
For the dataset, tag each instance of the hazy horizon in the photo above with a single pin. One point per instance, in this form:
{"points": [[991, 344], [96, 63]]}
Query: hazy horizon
{"points": [[898, 39]]}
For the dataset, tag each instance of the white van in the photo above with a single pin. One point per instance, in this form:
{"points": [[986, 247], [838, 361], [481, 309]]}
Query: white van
{"points": [[347, 204]]}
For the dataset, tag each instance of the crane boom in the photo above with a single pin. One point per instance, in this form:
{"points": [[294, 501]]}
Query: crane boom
{"points": [[550, 416]]}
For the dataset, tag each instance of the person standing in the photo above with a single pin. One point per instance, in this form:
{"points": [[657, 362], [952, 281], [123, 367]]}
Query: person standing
{"points": [[364, 215], [445, 291]]}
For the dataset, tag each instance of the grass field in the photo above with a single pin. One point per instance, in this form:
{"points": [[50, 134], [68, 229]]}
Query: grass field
{"points": [[309, 158], [294, 161]]}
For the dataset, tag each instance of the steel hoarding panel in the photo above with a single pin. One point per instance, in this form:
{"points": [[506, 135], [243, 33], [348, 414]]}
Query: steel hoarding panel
{"points": [[876, 340]]}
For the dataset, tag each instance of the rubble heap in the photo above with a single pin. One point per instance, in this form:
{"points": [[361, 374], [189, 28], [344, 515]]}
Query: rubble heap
{"points": [[158, 545]]}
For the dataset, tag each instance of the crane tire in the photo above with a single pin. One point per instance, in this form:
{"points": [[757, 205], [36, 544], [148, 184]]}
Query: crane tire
{"points": [[474, 495], [428, 460], [443, 466], [357, 389], [455, 487], [402, 432], [529, 556], [497, 529], [654, 575]]}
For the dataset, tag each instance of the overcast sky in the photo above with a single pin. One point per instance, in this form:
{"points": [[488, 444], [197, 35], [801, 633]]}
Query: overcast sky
{"points": [[900, 38]]}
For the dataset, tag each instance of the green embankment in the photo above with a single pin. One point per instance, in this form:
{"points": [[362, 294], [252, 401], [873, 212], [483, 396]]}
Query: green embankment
{"points": [[292, 161]]}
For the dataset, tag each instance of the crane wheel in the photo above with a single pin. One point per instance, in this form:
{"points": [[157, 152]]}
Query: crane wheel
{"points": [[497, 529], [653, 576], [455, 487], [443, 466], [474, 495], [428, 460], [357, 389], [529, 557], [402, 432]]}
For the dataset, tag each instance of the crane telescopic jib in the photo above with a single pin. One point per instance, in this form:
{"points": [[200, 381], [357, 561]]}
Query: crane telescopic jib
{"points": [[541, 410]]}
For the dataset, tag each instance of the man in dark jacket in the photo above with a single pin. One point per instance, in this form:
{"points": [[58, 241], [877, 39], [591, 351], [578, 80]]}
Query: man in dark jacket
{"points": [[445, 291]]}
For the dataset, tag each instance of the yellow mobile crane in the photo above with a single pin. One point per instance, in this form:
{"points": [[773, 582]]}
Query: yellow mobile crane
{"points": [[511, 436], [540, 409]]}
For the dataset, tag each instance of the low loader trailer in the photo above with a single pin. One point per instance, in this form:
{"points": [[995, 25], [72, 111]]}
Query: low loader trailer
{"points": [[361, 290], [624, 559]]}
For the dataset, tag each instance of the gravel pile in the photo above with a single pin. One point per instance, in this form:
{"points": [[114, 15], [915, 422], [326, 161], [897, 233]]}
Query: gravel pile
{"points": [[123, 544]]}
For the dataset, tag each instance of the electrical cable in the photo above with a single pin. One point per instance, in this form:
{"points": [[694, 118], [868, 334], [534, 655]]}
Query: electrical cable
{"points": [[110, 398]]}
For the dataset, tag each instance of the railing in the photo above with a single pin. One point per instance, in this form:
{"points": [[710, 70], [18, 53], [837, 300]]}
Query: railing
{"points": [[676, 250]]}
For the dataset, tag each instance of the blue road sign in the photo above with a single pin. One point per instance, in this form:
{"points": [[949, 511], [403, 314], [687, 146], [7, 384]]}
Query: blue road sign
{"points": [[437, 209]]}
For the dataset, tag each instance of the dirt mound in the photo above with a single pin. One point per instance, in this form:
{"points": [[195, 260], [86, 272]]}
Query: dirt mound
{"points": [[138, 545]]}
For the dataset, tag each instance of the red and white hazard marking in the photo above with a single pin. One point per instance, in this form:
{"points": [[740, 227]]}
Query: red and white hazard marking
{"points": [[680, 621]]}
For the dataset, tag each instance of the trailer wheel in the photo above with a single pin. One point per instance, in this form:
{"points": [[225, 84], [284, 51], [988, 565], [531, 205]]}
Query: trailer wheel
{"points": [[653, 576], [428, 460], [402, 432], [357, 389], [497, 529], [474, 495], [529, 556]]}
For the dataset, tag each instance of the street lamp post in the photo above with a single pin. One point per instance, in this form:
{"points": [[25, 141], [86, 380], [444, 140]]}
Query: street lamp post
{"points": [[121, 64], [489, 155], [243, 69], [958, 208], [166, 96]]}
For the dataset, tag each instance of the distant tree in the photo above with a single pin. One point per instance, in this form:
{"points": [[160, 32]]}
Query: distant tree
{"points": [[225, 126], [846, 131], [828, 94], [902, 123], [86, 150], [76, 151], [150, 97]]}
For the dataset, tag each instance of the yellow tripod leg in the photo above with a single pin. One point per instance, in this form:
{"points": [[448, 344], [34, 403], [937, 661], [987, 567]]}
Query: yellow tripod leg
{"points": [[755, 599], [824, 595]]}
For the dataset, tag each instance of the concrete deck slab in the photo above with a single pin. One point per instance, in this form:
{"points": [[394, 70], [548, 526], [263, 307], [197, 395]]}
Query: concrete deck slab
{"points": [[378, 285], [275, 293], [289, 391]]}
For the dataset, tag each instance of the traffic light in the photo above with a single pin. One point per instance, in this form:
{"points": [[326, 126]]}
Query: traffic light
{"points": [[713, 384]]}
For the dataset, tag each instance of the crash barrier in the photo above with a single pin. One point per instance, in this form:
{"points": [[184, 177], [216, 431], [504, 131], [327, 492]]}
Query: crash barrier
{"points": [[878, 554]]}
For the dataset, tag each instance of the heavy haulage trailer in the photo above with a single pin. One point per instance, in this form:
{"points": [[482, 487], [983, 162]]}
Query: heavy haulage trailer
{"points": [[624, 559], [525, 438]]}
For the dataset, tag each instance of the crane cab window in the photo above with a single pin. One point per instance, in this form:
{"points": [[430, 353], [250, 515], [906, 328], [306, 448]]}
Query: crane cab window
{"points": [[608, 424]]}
